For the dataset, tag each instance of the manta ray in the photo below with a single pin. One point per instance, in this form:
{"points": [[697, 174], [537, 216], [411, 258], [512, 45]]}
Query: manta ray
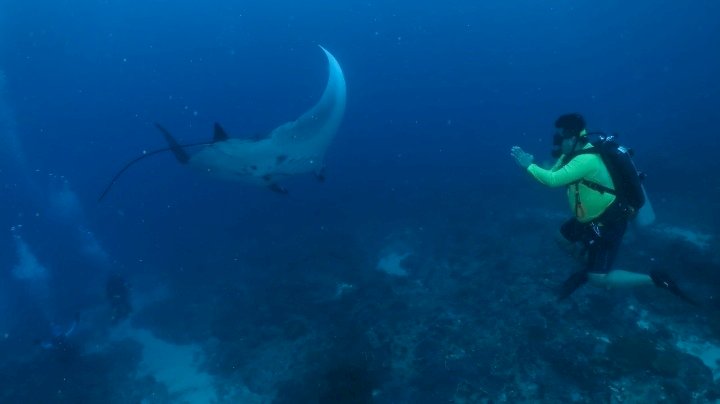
{"points": [[296, 147]]}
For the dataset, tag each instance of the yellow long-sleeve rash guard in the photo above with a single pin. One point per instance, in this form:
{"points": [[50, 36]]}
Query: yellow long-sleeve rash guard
{"points": [[585, 202]]}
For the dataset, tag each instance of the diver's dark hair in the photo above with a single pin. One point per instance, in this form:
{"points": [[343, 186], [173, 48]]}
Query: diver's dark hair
{"points": [[572, 124]]}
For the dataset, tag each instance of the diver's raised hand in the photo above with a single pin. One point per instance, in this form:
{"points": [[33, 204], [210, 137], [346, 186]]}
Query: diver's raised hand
{"points": [[522, 158]]}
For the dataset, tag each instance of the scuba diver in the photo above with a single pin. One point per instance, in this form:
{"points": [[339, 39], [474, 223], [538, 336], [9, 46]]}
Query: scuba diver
{"points": [[604, 193], [117, 291]]}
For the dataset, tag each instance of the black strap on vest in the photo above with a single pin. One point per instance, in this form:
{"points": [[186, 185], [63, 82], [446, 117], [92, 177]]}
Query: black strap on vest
{"points": [[597, 187], [592, 185]]}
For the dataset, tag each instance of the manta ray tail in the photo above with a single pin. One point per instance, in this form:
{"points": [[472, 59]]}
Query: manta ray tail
{"points": [[174, 146]]}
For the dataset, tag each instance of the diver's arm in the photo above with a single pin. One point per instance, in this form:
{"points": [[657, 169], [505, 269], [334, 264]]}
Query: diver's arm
{"points": [[573, 171], [558, 164]]}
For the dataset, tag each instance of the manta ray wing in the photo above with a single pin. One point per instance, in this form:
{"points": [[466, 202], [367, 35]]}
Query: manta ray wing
{"points": [[319, 124]]}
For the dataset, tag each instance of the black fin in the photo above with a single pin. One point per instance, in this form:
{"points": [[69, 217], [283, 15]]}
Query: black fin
{"points": [[571, 284], [663, 281], [219, 134], [175, 147]]}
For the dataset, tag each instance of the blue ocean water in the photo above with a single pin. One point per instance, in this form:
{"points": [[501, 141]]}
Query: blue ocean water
{"points": [[282, 298]]}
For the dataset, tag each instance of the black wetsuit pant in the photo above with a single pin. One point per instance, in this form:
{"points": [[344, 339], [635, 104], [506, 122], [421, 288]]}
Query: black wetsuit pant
{"points": [[601, 237]]}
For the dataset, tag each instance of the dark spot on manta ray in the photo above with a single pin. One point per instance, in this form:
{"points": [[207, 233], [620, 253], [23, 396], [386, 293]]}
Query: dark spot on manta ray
{"points": [[281, 158], [253, 168]]}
